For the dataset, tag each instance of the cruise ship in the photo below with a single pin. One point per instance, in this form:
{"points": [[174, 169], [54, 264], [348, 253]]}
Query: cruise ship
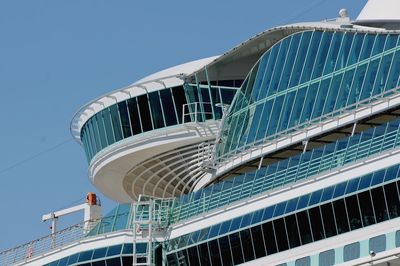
{"points": [[284, 150]]}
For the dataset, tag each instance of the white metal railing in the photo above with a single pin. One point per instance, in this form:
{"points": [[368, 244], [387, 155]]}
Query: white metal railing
{"points": [[369, 102], [37, 247], [197, 112]]}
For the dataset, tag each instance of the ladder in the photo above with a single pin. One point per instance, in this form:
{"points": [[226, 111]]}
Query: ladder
{"points": [[142, 226]]}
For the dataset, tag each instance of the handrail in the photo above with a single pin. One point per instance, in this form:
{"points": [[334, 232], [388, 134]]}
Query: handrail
{"points": [[341, 152], [234, 154]]}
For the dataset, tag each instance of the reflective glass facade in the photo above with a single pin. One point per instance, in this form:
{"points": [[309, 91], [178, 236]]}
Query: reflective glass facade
{"points": [[148, 112], [352, 212], [308, 75], [320, 197], [325, 158]]}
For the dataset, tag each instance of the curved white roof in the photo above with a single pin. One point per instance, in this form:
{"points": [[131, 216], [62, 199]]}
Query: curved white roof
{"points": [[380, 11], [169, 77]]}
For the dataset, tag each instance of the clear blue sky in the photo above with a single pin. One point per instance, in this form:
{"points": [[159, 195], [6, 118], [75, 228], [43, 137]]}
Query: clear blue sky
{"points": [[56, 56]]}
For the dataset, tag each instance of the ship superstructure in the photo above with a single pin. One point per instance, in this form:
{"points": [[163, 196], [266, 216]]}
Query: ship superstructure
{"points": [[284, 150]]}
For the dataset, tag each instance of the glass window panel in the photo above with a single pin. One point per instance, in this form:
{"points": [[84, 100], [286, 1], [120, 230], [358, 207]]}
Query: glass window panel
{"points": [[327, 258], [204, 254], [179, 99], [379, 44], [258, 240], [278, 67], [316, 224], [327, 94], [378, 200], [340, 189], [341, 216], [73, 259], [397, 238], [116, 122], [144, 113], [156, 111], [168, 107], [101, 130], [224, 227], [260, 76], [126, 260], [356, 48], [254, 123], [391, 173], [114, 250], [126, 126], [269, 70], [327, 194], [96, 133], [286, 111], [290, 57], [367, 46], [127, 249], [303, 262], [247, 245], [311, 55], [367, 212], [292, 230], [298, 107], [304, 227], [86, 255], [134, 116], [367, 88], [328, 219], [108, 126], [352, 185], [269, 238], [193, 256], [322, 54], [351, 251], [357, 84], [276, 112], [121, 218], [315, 197], [391, 41], [377, 243], [300, 58], [392, 199], [227, 95], [353, 212], [246, 220], [263, 123], [344, 89], [291, 205], [303, 201], [394, 72], [280, 230], [257, 217], [309, 103], [344, 51], [268, 213], [280, 209], [225, 250], [112, 262], [365, 181], [333, 52], [215, 254], [381, 78]]}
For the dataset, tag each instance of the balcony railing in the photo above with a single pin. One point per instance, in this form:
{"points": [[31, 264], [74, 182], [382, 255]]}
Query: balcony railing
{"points": [[311, 163]]}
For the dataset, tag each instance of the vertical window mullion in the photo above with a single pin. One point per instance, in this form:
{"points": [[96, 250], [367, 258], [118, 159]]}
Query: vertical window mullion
{"points": [[162, 108]]}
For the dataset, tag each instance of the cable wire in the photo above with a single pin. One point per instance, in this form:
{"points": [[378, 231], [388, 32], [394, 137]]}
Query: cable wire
{"points": [[30, 158]]}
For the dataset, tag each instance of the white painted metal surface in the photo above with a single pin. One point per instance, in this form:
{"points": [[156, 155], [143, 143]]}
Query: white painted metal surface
{"points": [[380, 11], [326, 179]]}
